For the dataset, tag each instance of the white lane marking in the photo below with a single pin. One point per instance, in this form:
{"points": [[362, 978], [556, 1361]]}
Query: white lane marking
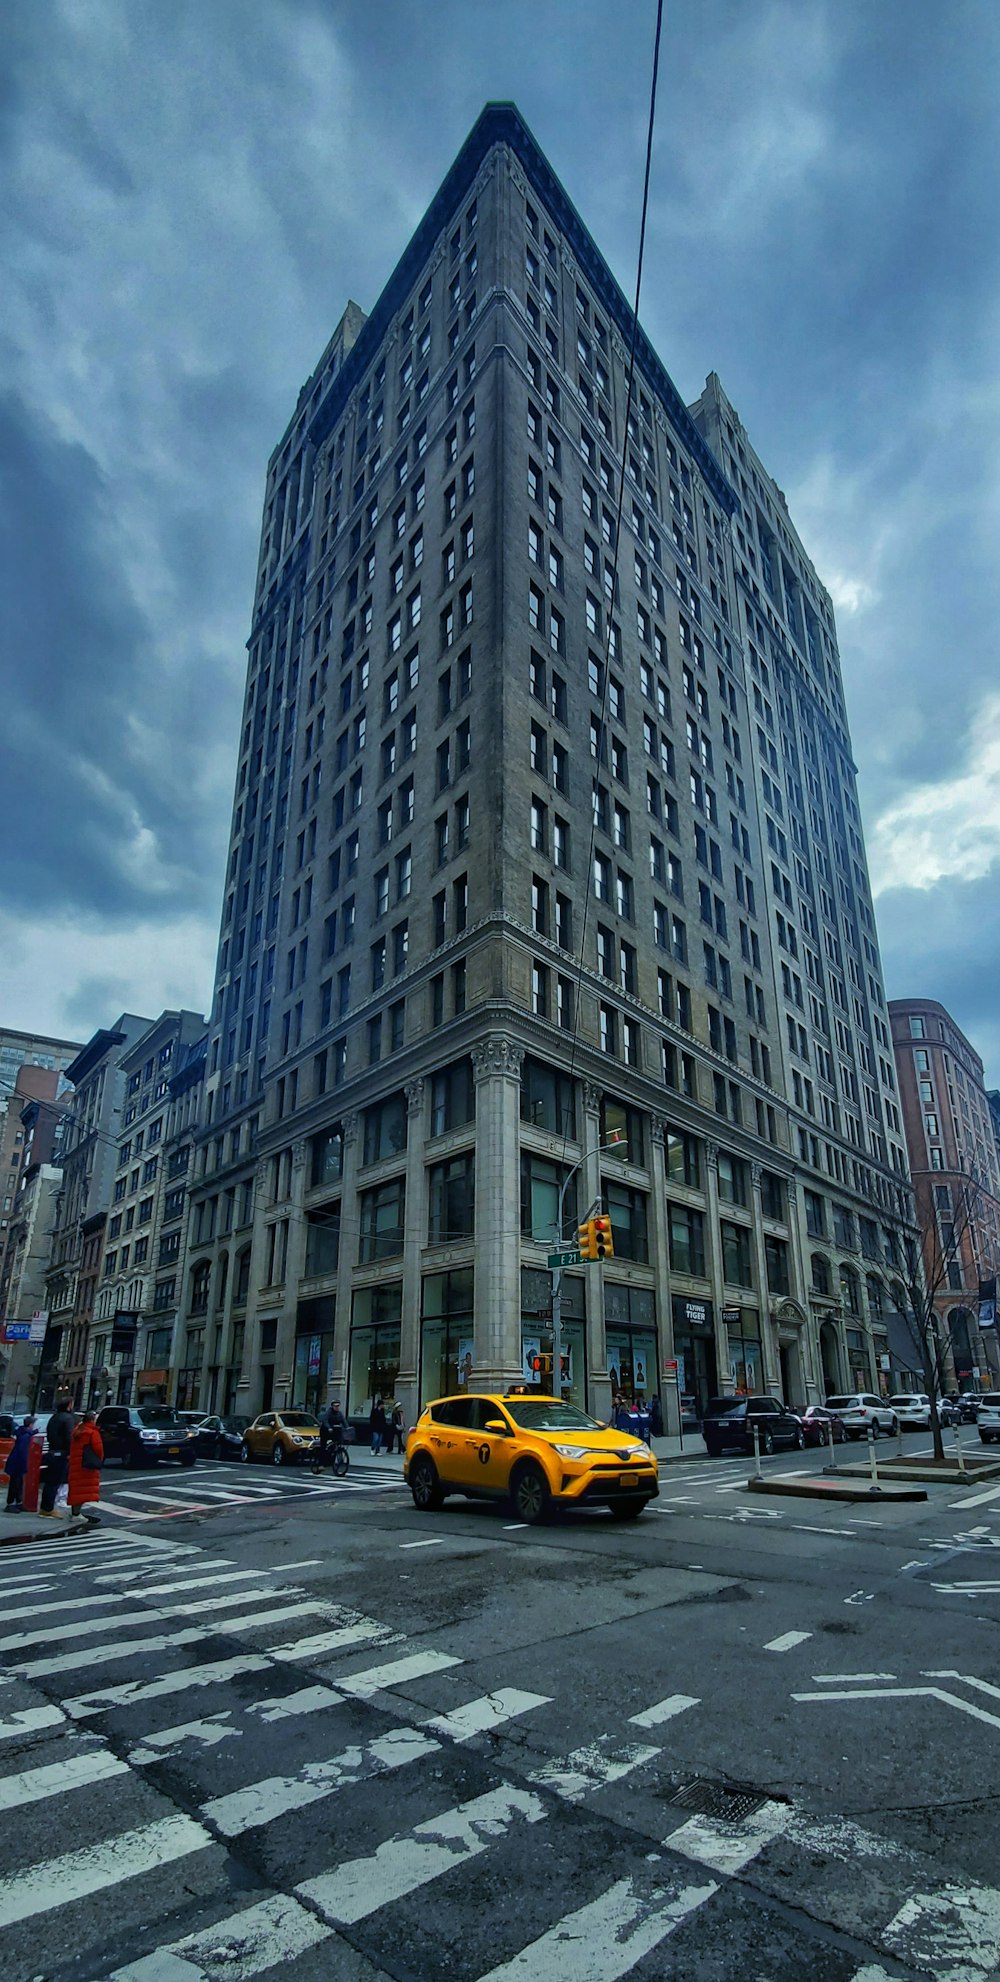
{"points": [[403, 1863], [511, 1527], [159, 1589], [907, 1693], [592, 1768], [29, 1719], [951, 1932], [435, 1541], [206, 1733], [80, 1874], [675, 1703], [982, 1589], [490, 1711], [787, 1640], [980, 1685], [308, 1700], [90, 1627], [263, 1936], [260, 1803], [857, 1678], [125, 1513], [31, 1584], [720, 1847], [810, 1528], [977, 1499], [606, 1938], [380, 1678], [73, 1772]]}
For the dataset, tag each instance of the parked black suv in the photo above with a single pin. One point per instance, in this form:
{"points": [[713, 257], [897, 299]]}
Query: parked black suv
{"points": [[728, 1423], [141, 1435]]}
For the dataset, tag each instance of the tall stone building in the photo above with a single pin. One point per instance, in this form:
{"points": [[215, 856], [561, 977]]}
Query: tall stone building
{"points": [[546, 881], [955, 1164]]}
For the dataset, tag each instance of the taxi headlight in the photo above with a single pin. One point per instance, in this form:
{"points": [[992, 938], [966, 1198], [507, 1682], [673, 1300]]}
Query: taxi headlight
{"points": [[572, 1451]]}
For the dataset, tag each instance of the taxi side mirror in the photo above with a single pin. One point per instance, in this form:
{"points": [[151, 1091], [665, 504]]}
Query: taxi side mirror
{"points": [[496, 1425]]}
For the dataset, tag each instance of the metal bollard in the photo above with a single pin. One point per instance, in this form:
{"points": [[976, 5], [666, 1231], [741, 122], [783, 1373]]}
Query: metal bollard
{"points": [[832, 1467], [959, 1454], [899, 1438], [873, 1462], [758, 1475]]}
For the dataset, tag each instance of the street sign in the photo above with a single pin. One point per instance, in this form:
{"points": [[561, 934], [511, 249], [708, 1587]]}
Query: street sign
{"points": [[565, 1259], [670, 1368], [18, 1331]]}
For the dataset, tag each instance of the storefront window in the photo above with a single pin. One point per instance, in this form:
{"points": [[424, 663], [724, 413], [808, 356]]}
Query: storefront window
{"points": [[536, 1330], [374, 1360], [447, 1340], [630, 1338], [746, 1369], [694, 1348], [857, 1357]]}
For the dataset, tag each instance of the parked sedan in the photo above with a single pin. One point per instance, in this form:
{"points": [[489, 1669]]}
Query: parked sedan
{"points": [[863, 1412], [988, 1418], [728, 1425], [220, 1438], [142, 1435], [281, 1436], [816, 1424]]}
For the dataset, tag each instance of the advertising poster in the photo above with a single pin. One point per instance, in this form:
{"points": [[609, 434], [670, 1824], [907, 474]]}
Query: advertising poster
{"points": [[466, 1359], [530, 1347]]}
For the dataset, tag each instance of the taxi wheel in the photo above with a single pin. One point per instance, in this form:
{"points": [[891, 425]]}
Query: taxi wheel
{"points": [[425, 1485], [530, 1494], [627, 1510], [277, 1453]]}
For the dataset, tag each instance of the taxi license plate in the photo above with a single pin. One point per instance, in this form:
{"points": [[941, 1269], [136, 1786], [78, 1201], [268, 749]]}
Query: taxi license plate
{"points": [[625, 1479]]}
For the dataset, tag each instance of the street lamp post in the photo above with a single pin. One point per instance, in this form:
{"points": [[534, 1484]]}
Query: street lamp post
{"points": [[614, 1142]]}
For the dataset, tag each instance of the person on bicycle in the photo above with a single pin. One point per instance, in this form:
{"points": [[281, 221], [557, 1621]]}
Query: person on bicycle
{"points": [[332, 1426]]}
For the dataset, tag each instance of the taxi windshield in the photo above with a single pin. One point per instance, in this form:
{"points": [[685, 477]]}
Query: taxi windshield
{"points": [[544, 1414]]}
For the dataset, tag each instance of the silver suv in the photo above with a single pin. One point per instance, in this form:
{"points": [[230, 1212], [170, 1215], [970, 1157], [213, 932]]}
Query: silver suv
{"points": [[988, 1419], [863, 1412]]}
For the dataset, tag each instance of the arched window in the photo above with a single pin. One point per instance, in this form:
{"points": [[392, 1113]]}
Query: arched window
{"points": [[819, 1268], [201, 1275], [242, 1287], [849, 1291]]}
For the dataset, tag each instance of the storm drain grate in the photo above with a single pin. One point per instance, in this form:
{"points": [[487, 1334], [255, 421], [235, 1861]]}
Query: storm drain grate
{"points": [[731, 1803]]}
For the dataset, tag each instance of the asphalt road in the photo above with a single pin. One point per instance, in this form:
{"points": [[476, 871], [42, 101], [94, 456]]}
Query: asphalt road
{"points": [[309, 1730]]}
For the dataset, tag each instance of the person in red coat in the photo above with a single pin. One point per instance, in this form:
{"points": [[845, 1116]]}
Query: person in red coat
{"points": [[86, 1456]]}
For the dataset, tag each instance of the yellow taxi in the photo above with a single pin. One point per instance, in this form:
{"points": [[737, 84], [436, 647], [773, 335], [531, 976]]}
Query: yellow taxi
{"points": [[534, 1450], [281, 1436]]}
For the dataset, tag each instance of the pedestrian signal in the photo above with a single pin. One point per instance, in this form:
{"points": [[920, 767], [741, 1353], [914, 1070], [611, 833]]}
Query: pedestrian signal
{"points": [[541, 1368]]}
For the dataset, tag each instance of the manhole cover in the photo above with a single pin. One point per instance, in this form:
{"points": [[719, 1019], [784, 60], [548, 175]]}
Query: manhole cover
{"points": [[731, 1803]]}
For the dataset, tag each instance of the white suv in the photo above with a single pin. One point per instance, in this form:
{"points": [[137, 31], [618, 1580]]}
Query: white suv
{"points": [[988, 1418], [863, 1413], [912, 1409]]}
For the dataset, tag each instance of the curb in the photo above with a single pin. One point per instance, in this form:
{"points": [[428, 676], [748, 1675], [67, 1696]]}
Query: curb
{"points": [[50, 1533], [848, 1490]]}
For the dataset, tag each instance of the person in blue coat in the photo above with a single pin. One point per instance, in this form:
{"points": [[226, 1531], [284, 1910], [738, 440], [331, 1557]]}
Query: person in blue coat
{"points": [[17, 1465]]}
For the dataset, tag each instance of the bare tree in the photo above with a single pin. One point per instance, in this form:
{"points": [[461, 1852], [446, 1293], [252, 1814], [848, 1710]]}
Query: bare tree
{"points": [[928, 1246]]}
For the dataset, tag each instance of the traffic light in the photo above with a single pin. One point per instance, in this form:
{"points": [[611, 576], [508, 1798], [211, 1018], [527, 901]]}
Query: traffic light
{"points": [[541, 1369], [596, 1241]]}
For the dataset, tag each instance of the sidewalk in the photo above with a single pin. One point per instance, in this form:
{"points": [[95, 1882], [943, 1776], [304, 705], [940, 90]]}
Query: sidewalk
{"points": [[40, 1527]]}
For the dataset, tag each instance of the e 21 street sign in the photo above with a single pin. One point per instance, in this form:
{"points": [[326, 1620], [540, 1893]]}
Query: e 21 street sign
{"points": [[571, 1258]]}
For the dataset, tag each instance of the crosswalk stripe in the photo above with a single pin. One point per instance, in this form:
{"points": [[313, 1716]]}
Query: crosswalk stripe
{"points": [[726, 1848], [364, 1632], [308, 1700], [104, 1654], [381, 1678], [29, 1719], [442, 1844], [90, 1627], [275, 1796], [80, 1874], [134, 1690], [479, 1716], [606, 1938], [72, 1772], [208, 1733], [592, 1767], [675, 1703], [262, 1936]]}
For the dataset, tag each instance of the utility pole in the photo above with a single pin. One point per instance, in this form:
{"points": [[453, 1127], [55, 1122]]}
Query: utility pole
{"points": [[570, 1255]]}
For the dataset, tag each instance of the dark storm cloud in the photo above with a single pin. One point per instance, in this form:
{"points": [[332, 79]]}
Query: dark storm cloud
{"points": [[97, 818]]}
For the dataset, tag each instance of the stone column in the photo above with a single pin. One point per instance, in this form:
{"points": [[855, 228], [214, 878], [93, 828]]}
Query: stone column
{"points": [[798, 1239], [496, 1065], [414, 1239], [713, 1260], [768, 1345], [350, 1226], [659, 1251]]}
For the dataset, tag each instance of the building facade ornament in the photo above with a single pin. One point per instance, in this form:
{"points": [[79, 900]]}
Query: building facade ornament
{"points": [[496, 1056]]}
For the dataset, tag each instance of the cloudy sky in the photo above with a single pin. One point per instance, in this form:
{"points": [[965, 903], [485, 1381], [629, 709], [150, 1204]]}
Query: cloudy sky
{"points": [[190, 190]]}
